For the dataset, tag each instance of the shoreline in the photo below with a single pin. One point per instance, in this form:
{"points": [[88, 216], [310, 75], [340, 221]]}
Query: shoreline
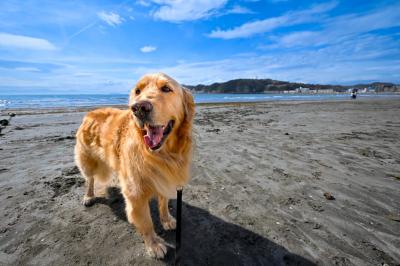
{"points": [[50, 103], [74, 109]]}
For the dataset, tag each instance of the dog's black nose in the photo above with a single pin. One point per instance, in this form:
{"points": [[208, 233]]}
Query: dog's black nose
{"points": [[142, 108]]}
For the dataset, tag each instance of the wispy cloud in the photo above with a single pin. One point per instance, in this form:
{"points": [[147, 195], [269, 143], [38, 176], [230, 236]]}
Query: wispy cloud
{"points": [[278, 1], [186, 10], [237, 9], [148, 49], [27, 69], [111, 18], [24, 42], [83, 29], [341, 28], [143, 3], [347, 62], [261, 26]]}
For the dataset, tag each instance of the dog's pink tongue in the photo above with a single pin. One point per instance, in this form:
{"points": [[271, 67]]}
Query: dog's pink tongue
{"points": [[153, 136]]}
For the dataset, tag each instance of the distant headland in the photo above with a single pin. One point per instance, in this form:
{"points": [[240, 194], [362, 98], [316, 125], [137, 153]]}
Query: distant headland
{"points": [[276, 86]]}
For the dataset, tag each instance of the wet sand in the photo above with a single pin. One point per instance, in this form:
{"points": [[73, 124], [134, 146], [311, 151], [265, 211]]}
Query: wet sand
{"points": [[256, 197]]}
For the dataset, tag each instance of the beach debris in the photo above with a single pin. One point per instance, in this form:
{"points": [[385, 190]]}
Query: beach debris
{"points": [[230, 207], [394, 217], [338, 260], [317, 175], [287, 134], [329, 196], [70, 171], [3, 170], [215, 130], [5, 122], [62, 185], [291, 201], [317, 207], [62, 138], [396, 177], [317, 226]]}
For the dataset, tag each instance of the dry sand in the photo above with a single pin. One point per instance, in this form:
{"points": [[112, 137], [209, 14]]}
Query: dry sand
{"points": [[256, 196]]}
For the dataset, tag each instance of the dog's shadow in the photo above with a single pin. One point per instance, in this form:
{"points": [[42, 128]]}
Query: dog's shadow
{"points": [[209, 240]]}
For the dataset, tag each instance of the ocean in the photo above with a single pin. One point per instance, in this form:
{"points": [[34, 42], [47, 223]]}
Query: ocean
{"points": [[56, 101]]}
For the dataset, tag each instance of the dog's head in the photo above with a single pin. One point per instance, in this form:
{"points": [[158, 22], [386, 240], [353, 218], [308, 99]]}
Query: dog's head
{"points": [[160, 107]]}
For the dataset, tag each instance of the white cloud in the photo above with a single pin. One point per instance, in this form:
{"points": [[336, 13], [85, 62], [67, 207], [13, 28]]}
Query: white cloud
{"points": [[148, 49], [261, 26], [24, 42], [111, 18], [186, 10], [239, 10]]}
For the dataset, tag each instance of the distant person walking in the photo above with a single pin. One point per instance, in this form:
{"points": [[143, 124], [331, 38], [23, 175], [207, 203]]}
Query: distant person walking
{"points": [[354, 93]]}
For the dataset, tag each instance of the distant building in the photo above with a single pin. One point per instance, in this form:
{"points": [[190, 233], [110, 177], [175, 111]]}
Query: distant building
{"points": [[302, 90], [325, 91]]}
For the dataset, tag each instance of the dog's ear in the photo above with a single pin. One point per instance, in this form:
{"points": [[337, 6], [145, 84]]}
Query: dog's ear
{"points": [[188, 105]]}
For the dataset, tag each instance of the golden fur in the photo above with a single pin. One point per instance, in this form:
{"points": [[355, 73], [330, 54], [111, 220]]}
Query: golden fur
{"points": [[110, 142]]}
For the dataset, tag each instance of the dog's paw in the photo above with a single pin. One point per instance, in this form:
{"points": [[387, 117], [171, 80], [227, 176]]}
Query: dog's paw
{"points": [[169, 224], [88, 201], [156, 248]]}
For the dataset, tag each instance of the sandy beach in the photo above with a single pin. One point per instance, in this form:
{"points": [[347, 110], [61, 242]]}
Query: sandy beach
{"points": [[256, 197]]}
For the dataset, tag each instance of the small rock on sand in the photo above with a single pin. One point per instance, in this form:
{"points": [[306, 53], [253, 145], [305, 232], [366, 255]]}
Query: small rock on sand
{"points": [[329, 196]]}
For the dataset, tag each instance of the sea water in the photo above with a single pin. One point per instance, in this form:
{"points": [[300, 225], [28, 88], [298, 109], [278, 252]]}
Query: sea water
{"points": [[56, 101]]}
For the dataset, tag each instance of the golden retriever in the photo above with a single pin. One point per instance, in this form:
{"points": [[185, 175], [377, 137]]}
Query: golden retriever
{"points": [[148, 147]]}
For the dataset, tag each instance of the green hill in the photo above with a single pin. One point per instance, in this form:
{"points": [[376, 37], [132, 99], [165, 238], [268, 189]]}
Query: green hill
{"points": [[269, 85]]}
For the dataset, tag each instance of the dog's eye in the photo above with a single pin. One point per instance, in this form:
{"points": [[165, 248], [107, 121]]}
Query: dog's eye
{"points": [[166, 89], [137, 91]]}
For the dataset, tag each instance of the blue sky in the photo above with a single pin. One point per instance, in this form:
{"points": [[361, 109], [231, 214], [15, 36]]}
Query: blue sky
{"points": [[105, 46]]}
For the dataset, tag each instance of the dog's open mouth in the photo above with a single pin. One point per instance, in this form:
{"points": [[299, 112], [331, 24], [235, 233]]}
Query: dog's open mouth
{"points": [[154, 136]]}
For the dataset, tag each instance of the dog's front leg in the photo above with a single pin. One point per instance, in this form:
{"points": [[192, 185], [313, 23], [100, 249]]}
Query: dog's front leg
{"points": [[138, 213], [167, 221]]}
